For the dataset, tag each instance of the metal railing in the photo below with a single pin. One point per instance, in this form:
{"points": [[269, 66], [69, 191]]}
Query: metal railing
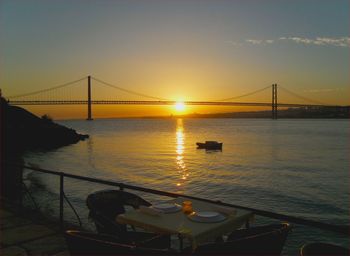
{"points": [[340, 229]]}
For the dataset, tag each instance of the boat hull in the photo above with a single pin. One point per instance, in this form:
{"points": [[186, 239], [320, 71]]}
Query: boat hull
{"points": [[209, 146]]}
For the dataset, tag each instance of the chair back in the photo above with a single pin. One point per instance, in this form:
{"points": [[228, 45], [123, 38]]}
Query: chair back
{"points": [[105, 205], [85, 243], [318, 249], [265, 240]]}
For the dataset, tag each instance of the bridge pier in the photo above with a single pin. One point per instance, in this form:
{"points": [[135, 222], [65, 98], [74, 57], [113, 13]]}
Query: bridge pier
{"points": [[274, 101], [89, 117]]}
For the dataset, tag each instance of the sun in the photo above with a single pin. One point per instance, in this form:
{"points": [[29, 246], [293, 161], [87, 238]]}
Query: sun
{"points": [[180, 106]]}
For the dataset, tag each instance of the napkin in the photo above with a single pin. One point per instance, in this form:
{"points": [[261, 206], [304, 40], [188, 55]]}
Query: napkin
{"points": [[149, 211], [225, 210]]}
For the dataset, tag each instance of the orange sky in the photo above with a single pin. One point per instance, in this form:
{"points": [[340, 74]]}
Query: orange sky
{"points": [[176, 50], [102, 111]]}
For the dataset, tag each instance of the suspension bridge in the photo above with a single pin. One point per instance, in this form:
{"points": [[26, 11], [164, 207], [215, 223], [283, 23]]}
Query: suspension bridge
{"points": [[59, 95]]}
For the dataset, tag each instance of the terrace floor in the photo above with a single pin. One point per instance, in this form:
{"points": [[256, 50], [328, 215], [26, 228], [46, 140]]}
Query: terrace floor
{"points": [[21, 235]]}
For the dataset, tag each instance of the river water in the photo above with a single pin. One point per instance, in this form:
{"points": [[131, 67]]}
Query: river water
{"points": [[296, 167]]}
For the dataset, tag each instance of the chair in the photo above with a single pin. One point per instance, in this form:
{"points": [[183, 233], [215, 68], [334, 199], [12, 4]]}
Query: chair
{"points": [[318, 249], [106, 205], [85, 243], [263, 240]]}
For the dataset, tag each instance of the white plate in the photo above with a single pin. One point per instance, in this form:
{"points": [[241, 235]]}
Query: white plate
{"points": [[208, 214], [167, 207], [207, 217]]}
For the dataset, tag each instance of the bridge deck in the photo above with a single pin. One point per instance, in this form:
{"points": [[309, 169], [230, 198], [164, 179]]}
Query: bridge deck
{"points": [[151, 102]]}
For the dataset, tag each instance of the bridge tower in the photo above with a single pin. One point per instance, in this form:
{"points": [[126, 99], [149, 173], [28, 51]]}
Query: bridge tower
{"points": [[274, 101], [89, 118]]}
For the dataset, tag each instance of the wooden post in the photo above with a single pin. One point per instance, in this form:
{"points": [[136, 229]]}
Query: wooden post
{"points": [[89, 118]]}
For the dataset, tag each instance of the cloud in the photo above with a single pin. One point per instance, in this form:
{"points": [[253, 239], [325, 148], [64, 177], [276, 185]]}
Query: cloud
{"points": [[300, 40], [253, 41], [341, 42], [319, 41], [232, 43]]}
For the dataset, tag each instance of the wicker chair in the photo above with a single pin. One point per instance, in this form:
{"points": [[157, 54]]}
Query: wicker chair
{"points": [[106, 205], [85, 243], [263, 240], [318, 249]]}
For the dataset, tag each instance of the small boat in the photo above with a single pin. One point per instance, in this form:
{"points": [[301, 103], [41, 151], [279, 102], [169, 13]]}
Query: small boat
{"points": [[209, 145]]}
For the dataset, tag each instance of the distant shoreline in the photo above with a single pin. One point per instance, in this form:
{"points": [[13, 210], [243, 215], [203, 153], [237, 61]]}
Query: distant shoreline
{"points": [[292, 113]]}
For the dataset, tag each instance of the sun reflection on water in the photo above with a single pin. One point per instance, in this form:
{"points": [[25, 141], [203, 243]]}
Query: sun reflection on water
{"points": [[180, 148]]}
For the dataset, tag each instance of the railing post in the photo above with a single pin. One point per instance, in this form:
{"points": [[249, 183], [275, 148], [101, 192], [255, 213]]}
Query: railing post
{"points": [[247, 224], [61, 199]]}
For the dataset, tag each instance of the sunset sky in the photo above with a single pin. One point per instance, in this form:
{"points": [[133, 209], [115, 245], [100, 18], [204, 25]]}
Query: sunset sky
{"points": [[177, 50]]}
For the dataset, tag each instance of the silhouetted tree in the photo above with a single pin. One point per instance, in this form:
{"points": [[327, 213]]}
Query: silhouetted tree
{"points": [[47, 118]]}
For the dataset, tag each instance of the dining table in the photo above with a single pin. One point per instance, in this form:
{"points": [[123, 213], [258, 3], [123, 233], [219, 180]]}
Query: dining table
{"points": [[193, 226]]}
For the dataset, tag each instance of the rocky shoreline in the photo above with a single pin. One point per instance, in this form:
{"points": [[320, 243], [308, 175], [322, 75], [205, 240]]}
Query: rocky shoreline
{"points": [[22, 131]]}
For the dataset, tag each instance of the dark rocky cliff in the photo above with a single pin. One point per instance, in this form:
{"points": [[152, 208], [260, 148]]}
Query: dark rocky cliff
{"points": [[20, 130]]}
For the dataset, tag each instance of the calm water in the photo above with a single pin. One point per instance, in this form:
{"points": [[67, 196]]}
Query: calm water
{"points": [[296, 167]]}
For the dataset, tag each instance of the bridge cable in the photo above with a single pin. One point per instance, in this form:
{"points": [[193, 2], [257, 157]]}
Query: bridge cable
{"points": [[244, 95], [128, 91], [301, 97], [46, 90]]}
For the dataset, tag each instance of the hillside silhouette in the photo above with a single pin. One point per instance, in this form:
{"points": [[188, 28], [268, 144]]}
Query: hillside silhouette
{"points": [[22, 131]]}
